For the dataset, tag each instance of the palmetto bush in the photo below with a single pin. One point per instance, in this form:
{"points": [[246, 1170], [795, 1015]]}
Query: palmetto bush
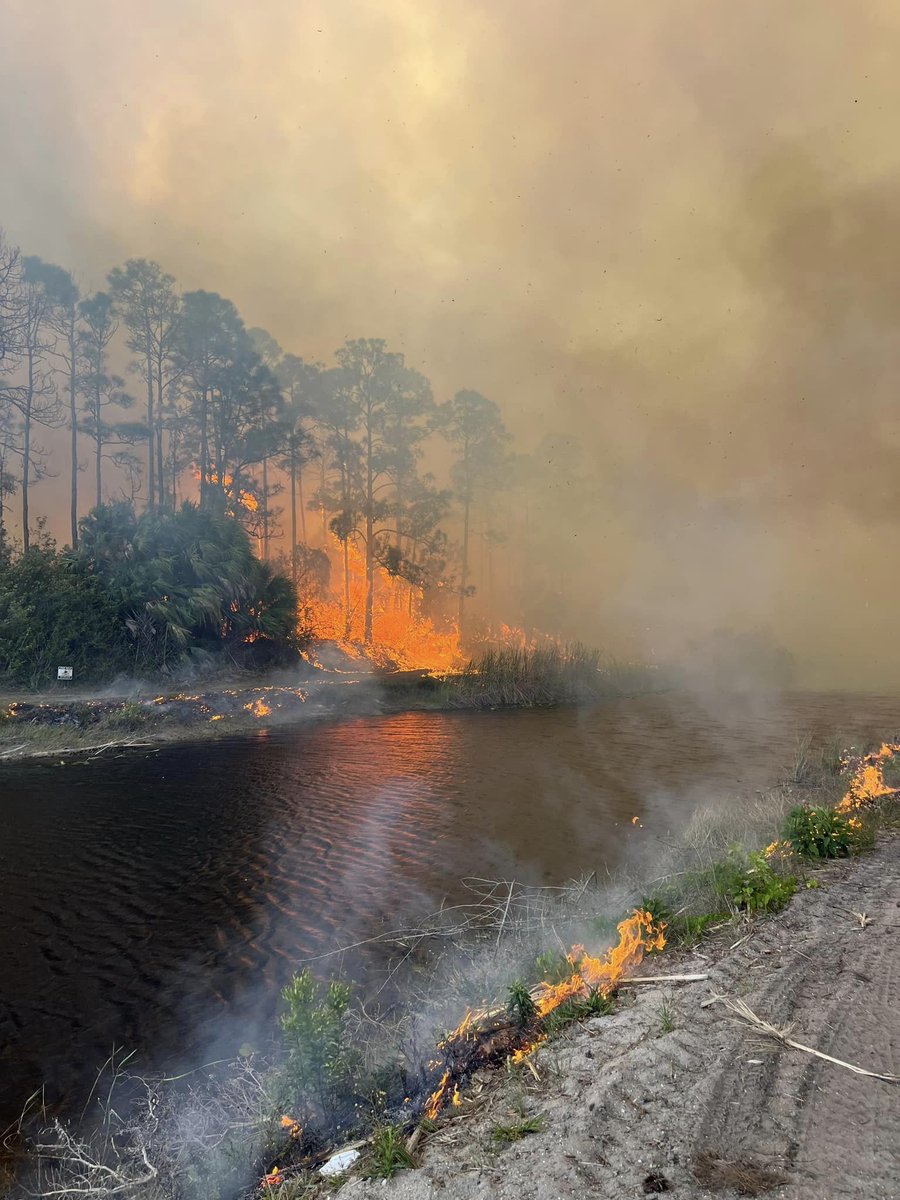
{"points": [[140, 593]]}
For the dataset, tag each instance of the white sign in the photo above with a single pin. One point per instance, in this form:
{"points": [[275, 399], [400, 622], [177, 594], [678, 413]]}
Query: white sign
{"points": [[63, 672]]}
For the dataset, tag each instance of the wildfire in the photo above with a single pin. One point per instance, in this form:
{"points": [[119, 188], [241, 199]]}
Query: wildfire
{"points": [[246, 499], [638, 934], [402, 633], [867, 784], [258, 708]]}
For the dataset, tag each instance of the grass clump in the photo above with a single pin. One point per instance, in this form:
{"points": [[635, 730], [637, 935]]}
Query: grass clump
{"points": [[818, 832], [540, 675], [740, 882], [578, 1008], [666, 1015], [504, 1135], [389, 1153]]}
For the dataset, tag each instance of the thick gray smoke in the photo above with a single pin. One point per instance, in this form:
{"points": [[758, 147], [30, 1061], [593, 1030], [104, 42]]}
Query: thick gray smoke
{"points": [[668, 233]]}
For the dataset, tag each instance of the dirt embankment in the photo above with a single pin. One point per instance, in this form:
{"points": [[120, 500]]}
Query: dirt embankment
{"points": [[671, 1094]]}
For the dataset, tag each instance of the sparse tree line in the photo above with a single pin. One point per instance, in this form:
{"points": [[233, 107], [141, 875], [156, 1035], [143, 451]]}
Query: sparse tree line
{"points": [[215, 411]]}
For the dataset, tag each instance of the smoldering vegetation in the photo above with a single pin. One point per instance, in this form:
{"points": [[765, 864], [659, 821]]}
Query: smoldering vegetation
{"points": [[360, 1068]]}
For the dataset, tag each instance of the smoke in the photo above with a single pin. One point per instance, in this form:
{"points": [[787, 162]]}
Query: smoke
{"points": [[666, 232]]}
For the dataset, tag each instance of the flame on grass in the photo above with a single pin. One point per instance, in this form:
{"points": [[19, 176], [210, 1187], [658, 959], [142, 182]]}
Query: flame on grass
{"points": [[867, 784], [638, 934]]}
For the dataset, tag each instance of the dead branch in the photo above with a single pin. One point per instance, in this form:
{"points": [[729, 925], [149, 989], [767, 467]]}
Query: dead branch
{"points": [[741, 1010]]}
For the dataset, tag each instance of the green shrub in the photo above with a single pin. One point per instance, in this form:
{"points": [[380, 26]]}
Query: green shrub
{"points": [[758, 888], [818, 832], [321, 1060], [505, 1134]]}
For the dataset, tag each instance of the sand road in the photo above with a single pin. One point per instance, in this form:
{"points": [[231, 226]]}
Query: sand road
{"points": [[712, 1106]]}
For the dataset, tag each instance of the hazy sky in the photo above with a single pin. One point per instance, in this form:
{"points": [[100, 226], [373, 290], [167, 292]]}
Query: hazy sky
{"points": [[672, 229]]}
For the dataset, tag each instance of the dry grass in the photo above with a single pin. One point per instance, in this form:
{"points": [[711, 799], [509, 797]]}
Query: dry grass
{"points": [[743, 1176]]}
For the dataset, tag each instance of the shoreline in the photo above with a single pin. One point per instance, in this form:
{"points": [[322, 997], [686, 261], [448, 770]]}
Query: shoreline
{"points": [[49, 724]]}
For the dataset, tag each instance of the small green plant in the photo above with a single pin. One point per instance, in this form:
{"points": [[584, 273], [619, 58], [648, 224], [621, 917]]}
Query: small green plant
{"points": [[818, 832], [505, 1134], [552, 967], [389, 1153], [594, 1004], [666, 1015], [658, 908], [321, 1060], [758, 888], [520, 1005], [686, 930]]}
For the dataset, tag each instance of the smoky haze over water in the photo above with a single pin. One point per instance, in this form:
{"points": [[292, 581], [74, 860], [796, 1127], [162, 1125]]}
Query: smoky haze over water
{"points": [[666, 234]]}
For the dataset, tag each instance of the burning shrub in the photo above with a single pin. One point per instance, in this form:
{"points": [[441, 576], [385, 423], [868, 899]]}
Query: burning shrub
{"points": [[818, 832]]}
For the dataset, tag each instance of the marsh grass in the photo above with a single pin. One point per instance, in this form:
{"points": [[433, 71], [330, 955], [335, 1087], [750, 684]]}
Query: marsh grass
{"points": [[544, 675]]}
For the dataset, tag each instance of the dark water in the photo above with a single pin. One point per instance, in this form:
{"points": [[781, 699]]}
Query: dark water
{"points": [[158, 901]]}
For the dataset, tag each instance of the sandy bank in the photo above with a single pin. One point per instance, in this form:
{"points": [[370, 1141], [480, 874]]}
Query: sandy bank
{"points": [[674, 1094]]}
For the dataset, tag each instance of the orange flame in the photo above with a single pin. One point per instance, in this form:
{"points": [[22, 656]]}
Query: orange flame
{"points": [[245, 499], [637, 934], [867, 784], [258, 708], [402, 633], [436, 1100]]}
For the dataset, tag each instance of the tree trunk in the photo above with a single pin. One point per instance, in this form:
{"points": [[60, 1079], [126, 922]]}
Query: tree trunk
{"points": [[302, 505], [73, 420], [265, 514], [204, 447], [370, 531], [464, 566], [26, 457], [294, 513], [322, 506], [151, 449], [347, 589], [160, 477], [98, 445]]}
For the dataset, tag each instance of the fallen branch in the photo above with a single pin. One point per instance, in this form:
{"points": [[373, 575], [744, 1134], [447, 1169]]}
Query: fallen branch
{"points": [[414, 1139], [662, 979], [740, 1009]]}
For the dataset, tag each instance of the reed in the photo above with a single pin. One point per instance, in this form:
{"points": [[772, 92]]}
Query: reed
{"points": [[521, 676]]}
